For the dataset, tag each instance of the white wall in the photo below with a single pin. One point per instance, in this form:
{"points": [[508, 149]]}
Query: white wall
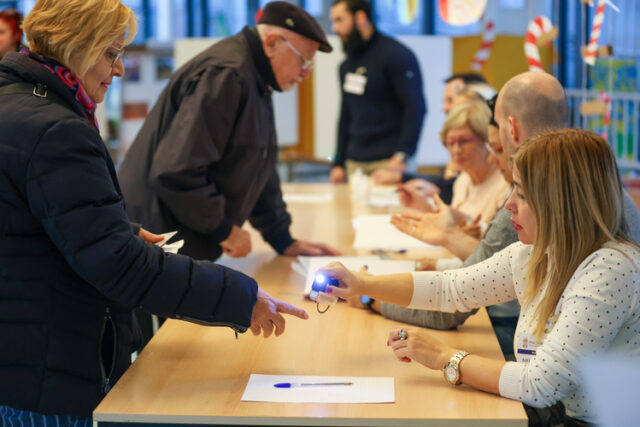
{"points": [[146, 90], [434, 54]]}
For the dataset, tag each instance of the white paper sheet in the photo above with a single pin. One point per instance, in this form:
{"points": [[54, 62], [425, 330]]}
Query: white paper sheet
{"points": [[307, 198], [305, 261], [173, 247], [166, 238], [363, 390], [374, 265], [376, 231], [383, 196]]}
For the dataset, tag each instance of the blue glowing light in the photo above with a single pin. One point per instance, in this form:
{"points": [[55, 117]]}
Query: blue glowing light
{"points": [[320, 278]]}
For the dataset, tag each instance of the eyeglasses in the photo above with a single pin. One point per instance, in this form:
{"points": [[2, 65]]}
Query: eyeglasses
{"points": [[307, 64], [462, 142], [113, 55], [494, 152]]}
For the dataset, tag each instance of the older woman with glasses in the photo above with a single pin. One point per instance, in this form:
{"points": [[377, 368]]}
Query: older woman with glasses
{"points": [[478, 192], [71, 266]]}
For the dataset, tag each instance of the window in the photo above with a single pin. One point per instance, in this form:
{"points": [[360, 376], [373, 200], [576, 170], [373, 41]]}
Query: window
{"points": [[227, 18], [400, 17]]}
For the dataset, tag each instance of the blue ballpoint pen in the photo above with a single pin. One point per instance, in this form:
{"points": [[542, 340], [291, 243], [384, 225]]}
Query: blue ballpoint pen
{"points": [[290, 385]]}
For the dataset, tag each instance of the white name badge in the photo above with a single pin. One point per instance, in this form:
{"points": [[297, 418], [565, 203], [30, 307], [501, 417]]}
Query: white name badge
{"points": [[354, 84], [526, 347]]}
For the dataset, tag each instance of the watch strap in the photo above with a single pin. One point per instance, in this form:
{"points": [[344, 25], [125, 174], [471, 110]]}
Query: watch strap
{"points": [[454, 362]]}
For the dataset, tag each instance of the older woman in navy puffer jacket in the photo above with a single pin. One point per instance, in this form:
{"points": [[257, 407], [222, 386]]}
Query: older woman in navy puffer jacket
{"points": [[71, 268]]}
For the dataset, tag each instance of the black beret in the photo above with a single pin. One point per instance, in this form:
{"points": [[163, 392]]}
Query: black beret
{"points": [[296, 19]]}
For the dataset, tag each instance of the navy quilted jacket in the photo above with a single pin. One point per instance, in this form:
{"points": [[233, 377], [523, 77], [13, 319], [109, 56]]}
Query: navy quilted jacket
{"points": [[71, 269]]}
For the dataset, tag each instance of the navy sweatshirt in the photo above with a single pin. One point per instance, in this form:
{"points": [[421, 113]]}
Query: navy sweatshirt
{"points": [[388, 116]]}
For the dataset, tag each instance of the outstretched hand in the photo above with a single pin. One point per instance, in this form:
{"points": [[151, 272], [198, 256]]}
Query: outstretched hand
{"points": [[431, 228], [350, 282], [415, 194], [473, 228], [267, 314]]}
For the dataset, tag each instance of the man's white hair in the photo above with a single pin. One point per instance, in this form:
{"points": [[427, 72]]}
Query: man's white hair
{"points": [[265, 29]]}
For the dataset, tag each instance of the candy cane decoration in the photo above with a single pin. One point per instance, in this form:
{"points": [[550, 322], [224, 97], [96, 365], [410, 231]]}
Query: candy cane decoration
{"points": [[607, 115], [592, 48], [482, 55], [537, 27]]}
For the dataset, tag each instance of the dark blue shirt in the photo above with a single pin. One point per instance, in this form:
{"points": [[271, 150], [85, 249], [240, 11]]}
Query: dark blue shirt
{"points": [[388, 116]]}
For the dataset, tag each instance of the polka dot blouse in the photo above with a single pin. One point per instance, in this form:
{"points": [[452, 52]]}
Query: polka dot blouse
{"points": [[598, 311]]}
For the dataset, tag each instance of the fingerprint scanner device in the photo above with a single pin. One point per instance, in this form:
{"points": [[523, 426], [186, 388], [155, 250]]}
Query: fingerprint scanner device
{"points": [[318, 291]]}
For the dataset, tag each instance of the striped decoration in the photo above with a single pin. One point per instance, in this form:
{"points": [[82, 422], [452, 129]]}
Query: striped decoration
{"points": [[482, 55], [537, 27], [592, 47], [607, 115]]}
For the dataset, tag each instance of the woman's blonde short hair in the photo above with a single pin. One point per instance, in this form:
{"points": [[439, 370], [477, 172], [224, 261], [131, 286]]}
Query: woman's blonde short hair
{"points": [[571, 182], [77, 32], [474, 113]]}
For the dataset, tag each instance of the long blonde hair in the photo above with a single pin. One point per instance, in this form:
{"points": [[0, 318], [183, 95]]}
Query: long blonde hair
{"points": [[78, 31], [572, 184]]}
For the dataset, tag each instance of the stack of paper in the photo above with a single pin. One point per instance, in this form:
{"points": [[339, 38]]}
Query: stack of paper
{"points": [[377, 232], [383, 196], [307, 197]]}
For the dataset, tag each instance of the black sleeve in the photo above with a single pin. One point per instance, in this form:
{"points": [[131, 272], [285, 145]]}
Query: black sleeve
{"points": [[425, 318], [406, 80], [270, 216], [135, 228], [73, 193], [343, 130], [196, 140]]}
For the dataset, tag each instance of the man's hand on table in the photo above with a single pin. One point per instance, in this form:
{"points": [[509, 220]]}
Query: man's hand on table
{"points": [[267, 314], [238, 244], [337, 175]]}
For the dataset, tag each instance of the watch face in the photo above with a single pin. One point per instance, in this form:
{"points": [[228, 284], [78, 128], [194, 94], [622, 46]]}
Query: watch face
{"points": [[364, 299], [450, 374]]}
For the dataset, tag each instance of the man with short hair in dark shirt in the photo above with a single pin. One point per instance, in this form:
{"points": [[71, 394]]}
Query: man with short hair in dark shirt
{"points": [[383, 106]]}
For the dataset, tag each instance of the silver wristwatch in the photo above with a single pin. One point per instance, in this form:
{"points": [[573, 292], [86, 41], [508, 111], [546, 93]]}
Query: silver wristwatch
{"points": [[452, 368]]}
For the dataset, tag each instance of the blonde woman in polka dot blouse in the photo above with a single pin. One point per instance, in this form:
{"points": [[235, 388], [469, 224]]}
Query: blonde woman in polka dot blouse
{"points": [[574, 271]]}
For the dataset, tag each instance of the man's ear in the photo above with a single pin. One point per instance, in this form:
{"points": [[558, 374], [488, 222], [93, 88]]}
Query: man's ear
{"points": [[360, 19], [269, 44], [514, 130]]}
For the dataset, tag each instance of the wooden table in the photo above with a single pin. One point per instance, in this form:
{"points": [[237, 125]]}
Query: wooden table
{"points": [[192, 374]]}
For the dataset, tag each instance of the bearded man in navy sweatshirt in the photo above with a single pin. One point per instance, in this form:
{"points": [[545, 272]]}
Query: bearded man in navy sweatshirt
{"points": [[383, 105]]}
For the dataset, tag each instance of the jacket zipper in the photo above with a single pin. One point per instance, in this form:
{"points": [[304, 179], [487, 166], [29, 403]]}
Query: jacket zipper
{"points": [[106, 378], [237, 329]]}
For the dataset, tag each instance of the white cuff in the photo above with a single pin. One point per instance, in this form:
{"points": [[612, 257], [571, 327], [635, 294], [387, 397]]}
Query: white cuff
{"points": [[421, 285], [510, 380], [448, 264]]}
